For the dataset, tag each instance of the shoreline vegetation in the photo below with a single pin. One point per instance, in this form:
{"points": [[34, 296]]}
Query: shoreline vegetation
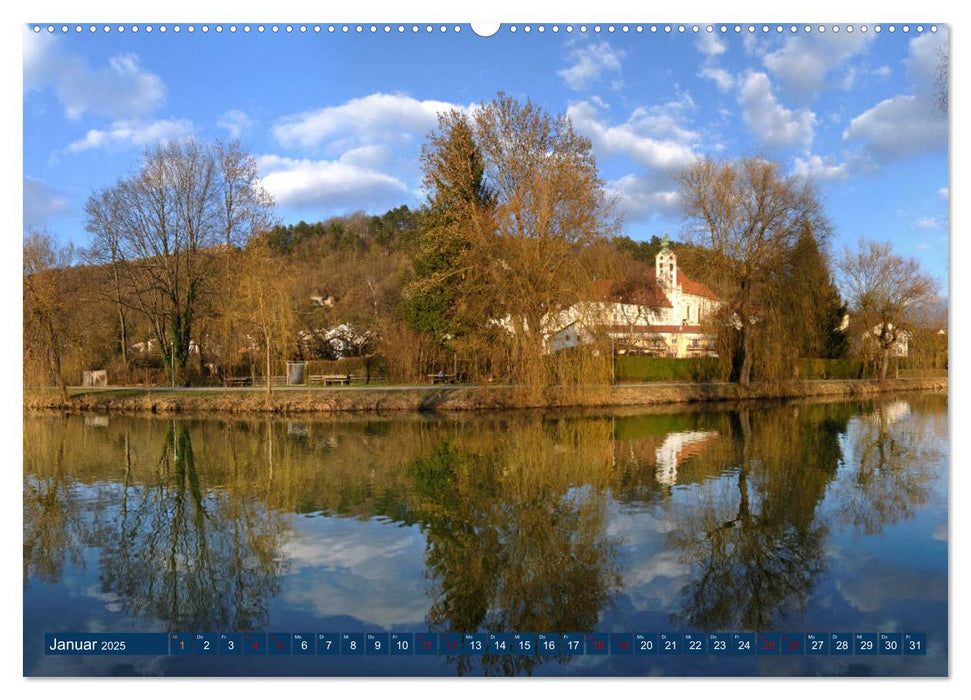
{"points": [[300, 401]]}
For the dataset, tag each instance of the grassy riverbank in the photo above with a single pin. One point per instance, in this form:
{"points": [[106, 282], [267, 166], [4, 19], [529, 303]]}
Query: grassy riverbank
{"points": [[455, 398]]}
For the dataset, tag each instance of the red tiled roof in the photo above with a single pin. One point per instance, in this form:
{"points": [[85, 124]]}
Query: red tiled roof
{"points": [[643, 294], [688, 286]]}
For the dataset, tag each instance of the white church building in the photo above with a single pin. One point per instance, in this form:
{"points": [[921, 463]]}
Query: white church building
{"points": [[665, 316]]}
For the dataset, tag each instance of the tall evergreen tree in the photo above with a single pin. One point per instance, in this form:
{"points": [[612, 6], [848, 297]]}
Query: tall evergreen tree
{"points": [[818, 310], [458, 200]]}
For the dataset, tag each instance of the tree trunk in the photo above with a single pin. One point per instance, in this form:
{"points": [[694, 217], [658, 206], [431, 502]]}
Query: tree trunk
{"points": [[884, 363], [745, 373], [124, 342], [269, 378], [56, 360]]}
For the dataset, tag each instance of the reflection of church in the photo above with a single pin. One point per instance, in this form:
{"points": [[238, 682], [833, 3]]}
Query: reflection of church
{"points": [[676, 448], [667, 453], [664, 314]]}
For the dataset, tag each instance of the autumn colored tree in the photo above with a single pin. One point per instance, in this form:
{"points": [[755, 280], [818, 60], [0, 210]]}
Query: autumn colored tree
{"points": [[886, 293], [548, 205], [47, 302], [750, 215]]}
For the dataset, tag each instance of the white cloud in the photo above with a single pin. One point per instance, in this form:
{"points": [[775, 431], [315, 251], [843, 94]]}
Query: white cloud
{"points": [[589, 63], [929, 223], [773, 124], [41, 204], [820, 169], [721, 77], [804, 61], [122, 134], [654, 137], [905, 125], [377, 117], [710, 45], [644, 197], [943, 193], [236, 122], [923, 58], [898, 127], [339, 184], [374, 156], [119, 90]]}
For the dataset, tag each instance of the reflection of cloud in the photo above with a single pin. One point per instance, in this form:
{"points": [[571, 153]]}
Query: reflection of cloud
{"points": [[653, 576], [365, 570], [940, 533], [881, 585]]}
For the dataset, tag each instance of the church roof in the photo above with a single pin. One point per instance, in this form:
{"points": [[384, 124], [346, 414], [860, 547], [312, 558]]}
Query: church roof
{"points": [[648, 294], [688, 286]]}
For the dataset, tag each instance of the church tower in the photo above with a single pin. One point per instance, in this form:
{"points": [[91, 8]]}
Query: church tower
{"points": [[666, 266]]}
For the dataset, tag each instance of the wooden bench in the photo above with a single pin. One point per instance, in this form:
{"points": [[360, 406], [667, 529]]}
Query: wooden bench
{"points": [[342, 379], [441, 378], [239, 381]]}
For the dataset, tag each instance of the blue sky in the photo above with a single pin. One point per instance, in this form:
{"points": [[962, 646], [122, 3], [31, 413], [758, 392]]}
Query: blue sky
{"points": [[336, 120]]}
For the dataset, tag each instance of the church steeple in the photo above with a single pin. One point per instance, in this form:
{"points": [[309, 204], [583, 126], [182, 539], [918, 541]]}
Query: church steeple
{"points": [[666, 265]]}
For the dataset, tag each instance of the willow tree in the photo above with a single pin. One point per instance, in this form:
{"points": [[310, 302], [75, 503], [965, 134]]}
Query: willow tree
{"points": [[750, 215], [548, 205], [259, 310], [166, 226]]}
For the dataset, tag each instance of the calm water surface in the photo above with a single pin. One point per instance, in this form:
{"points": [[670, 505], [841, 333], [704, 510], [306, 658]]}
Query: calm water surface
{"points": [[807, 517]]}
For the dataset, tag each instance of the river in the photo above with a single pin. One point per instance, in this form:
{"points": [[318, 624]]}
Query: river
{"points": [[802, 517]]}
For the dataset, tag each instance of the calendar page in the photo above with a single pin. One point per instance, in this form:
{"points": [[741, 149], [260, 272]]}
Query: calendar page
{"points": [[460, 350]]}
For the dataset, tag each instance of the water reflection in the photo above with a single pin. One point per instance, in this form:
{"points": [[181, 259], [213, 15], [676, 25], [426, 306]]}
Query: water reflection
{"points": [[221, 525]]}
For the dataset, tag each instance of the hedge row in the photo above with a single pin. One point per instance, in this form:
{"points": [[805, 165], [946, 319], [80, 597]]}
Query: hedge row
{"points": [[632, 368], [635, 368]]}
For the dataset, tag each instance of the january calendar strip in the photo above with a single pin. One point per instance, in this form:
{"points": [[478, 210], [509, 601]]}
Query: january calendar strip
{"points": [[377, 644]]}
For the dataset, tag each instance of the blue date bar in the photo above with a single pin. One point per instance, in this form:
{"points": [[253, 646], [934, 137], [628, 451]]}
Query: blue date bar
{"points": [[106, 644]]}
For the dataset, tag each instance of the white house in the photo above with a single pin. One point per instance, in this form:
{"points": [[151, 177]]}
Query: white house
{"points": [[664, 315]]}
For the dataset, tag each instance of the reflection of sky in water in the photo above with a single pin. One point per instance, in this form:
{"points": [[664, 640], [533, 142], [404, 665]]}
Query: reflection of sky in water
{"points": [[371, 573], [364, 570]]}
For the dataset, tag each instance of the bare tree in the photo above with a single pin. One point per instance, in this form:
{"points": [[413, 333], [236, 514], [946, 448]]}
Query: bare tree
{"points": [[103, 223], [750, 215], [47, 303], [887, 293], [165, 228]]}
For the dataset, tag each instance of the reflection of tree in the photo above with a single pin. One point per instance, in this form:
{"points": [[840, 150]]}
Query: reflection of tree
{"points": [[751, 539], [512, 544], [54, 530], [890, 465], [198, 561]]}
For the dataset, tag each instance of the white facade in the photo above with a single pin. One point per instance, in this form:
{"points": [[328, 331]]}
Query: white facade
{"points": [[668, 319]]}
